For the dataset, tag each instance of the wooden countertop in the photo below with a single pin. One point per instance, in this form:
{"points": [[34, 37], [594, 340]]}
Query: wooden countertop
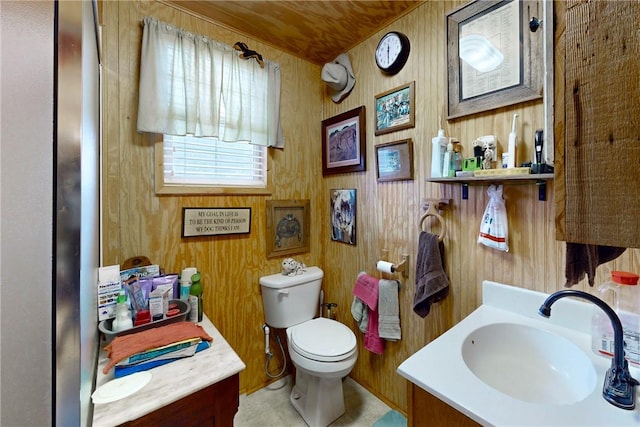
{"points": [[170, 382]]}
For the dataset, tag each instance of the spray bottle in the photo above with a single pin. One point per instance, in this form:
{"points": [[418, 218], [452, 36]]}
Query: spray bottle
{"points": [[513, 142], [195, 298], [437, 152]]}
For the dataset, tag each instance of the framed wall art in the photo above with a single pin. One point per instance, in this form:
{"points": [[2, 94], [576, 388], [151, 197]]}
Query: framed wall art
{"points": [[394, 161], [343, 142], [395, 109], [493, 59], [343, 216], [287, 227]]}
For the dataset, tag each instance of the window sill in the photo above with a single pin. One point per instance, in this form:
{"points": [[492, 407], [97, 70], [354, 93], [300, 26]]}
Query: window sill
{"points": [[167, 190]]}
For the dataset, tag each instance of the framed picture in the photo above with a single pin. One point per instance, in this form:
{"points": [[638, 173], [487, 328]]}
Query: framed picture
{"points": [[287, 227], [493, 59], [395, 109], [198, 222], [343, 142], [394, 161], [343, 216]]}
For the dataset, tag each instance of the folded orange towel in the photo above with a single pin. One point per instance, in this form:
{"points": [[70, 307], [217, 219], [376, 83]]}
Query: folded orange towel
{"points": [[127, 345]]}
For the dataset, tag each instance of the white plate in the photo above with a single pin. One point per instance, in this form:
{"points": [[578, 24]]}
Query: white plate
{"points": [[120, 388]]}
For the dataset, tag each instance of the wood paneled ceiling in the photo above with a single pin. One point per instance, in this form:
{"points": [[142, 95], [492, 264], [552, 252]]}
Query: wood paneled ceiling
{"points": [[317, 31]]}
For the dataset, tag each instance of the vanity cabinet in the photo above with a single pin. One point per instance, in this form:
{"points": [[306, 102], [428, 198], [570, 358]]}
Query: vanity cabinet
{"points": [[213, 406], [426, 410], [597, 122], [201, 390]]}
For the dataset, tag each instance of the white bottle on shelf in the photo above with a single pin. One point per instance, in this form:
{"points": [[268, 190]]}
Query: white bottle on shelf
{"points": [[438, 150]]}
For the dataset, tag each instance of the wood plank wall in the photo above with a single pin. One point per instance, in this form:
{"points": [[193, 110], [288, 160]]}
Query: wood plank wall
{"points": [[137, 222]]}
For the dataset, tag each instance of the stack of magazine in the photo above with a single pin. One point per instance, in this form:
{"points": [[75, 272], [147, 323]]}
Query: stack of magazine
{"points": [[159, 356]]}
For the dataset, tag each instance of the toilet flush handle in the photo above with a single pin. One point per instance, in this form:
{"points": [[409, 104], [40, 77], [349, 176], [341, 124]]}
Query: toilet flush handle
{"points": [[283, 291]]}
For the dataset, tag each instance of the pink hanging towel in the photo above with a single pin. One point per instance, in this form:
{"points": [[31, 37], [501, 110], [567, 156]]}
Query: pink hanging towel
{"points": [[366, 289]]}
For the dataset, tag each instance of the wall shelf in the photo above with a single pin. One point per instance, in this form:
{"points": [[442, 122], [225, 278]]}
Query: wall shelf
{"points": [[538, 179]]}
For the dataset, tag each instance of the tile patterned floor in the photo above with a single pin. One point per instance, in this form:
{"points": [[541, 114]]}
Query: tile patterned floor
{"points": [[270, 407]]}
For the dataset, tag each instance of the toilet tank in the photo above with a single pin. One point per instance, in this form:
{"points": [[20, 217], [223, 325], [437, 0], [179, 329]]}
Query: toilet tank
{"points": [[289, 300]]}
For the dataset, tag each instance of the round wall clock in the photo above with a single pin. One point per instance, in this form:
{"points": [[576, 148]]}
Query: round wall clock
{"points": [[392, 52]]}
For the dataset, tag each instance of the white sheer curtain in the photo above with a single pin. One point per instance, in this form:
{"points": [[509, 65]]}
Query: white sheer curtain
{"points": [[192, 85]]}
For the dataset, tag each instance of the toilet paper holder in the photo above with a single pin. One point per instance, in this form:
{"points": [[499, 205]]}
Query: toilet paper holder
{"points": [[401, 267]]}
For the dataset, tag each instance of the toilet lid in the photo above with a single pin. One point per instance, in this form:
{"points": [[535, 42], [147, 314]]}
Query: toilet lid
{"points": [[323, 339]]}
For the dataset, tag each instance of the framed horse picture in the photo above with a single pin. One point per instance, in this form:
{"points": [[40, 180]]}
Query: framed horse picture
{"points": [[343, 142], [395, 109]]}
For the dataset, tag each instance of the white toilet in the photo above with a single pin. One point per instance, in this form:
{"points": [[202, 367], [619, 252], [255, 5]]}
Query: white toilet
{"points": [[322, 350]]}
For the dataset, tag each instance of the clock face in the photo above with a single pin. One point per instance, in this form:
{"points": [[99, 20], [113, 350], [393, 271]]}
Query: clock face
{"points": [[392, 52]]}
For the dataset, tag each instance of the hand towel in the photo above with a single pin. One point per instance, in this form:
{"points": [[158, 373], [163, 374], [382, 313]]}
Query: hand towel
{"points": [[366, 289], [583, 259], [388, 310], [360, 313], [372, 340], [432, 284]]}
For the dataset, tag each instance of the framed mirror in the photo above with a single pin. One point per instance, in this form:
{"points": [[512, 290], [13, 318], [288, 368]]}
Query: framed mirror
{"points": [[493, 59]]}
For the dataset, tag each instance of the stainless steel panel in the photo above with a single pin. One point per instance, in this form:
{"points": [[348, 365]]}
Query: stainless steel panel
{"points": [[76, 212]]}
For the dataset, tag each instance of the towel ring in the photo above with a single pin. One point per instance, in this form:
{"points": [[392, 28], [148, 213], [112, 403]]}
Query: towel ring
{"points": [[432, 212]]}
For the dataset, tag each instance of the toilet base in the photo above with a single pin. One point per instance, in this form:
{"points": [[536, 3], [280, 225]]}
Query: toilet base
{"points": [[319, 401]]}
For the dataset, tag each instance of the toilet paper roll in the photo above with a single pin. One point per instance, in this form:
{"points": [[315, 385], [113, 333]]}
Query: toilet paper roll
{"points": [[385, 267]]}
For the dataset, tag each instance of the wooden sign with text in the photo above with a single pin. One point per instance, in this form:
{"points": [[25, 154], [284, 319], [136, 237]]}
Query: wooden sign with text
{"points": [[215, 221]]}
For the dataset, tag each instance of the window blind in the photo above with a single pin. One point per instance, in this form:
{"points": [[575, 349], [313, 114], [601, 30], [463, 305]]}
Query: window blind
{"points": [[189, 160]]}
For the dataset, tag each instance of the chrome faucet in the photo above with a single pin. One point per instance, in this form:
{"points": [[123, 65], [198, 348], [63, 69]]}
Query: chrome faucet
{"points": [[618, 388]]}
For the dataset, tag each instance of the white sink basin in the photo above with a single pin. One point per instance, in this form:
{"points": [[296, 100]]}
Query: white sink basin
{"points": [[505, 365], [529, 364]]}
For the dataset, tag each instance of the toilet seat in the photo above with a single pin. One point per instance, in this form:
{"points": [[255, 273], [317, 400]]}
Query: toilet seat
{"points": [[323, 339]]}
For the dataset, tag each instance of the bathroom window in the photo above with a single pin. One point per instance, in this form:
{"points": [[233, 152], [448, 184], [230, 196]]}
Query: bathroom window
{"points": [[208, 165], [214, 111]]}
